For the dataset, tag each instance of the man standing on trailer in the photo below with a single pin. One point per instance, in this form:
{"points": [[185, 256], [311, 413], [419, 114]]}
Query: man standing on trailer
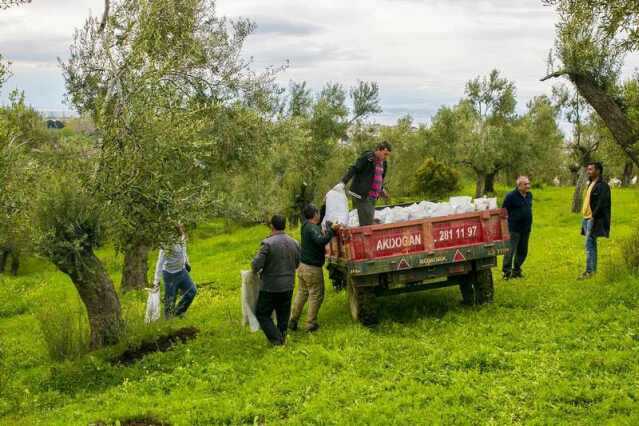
{"points": [[368, 175], [519, 205]]}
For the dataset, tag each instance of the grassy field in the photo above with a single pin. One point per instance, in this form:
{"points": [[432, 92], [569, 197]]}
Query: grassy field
{"points": [[550, 350]]}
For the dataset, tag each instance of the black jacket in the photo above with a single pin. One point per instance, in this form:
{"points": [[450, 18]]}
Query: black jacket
{"points": [[313, 244], [600, 204], [277, 259], [363, 173], [519, 211]]}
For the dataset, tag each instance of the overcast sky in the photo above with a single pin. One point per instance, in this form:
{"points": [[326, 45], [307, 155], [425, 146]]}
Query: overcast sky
{"points": [[421, 52]]}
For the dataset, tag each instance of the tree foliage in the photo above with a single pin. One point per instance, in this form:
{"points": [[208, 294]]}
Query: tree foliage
{"points": [[177, 108], [592, 41], [436, 180]]}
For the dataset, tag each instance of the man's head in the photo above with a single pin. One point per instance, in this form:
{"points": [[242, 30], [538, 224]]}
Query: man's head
{"points": [[278, 222], [311, 214], [523, 184], [594, 169], [383, 150]]}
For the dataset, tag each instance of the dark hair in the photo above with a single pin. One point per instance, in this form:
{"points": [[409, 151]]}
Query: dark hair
{"points": [[278, 222], [383, 145], [598, 165], [309, 211]]}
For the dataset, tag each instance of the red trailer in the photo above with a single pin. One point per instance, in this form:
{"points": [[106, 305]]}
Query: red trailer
{"points": [[437, 252]]}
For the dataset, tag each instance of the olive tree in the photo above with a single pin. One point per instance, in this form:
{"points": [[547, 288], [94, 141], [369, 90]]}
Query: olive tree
{"points": [[576, 111], [592, 41], [177, 110], [318, 126]]}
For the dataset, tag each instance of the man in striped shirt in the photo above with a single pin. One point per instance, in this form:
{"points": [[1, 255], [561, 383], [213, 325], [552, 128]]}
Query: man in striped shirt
{"points": [[368, 175]]}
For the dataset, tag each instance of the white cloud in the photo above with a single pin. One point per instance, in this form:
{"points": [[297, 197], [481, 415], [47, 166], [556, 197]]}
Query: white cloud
{"points": [[420, 52]]}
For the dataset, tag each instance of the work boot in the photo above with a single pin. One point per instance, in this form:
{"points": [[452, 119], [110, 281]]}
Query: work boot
{"points": [[292, 325], [585, 276], [516, 274], [312, 327]]}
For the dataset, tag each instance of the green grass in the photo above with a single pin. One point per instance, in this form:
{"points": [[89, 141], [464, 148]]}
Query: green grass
{"points": [[550, 350]]}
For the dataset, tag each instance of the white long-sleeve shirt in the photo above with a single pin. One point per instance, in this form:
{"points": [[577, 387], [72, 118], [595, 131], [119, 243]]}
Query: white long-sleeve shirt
{"points": [[171, 260]]}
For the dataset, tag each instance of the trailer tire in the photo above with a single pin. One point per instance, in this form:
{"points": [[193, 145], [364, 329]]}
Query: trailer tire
{"points": [[467, 291], [484, 288], [361, 301], [477, 288]]}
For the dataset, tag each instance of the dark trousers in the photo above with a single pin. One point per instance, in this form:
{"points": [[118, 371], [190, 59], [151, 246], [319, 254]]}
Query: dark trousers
{"points": [[268, 302], [174, 283], [518, 252], [365, 210]]}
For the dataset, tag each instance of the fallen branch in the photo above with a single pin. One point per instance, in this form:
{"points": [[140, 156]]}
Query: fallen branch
{"points": [[159, 344]]}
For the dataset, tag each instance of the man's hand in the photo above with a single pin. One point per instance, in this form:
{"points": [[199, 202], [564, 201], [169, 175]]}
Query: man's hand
{"points": [[340, 187], [336, 227]]}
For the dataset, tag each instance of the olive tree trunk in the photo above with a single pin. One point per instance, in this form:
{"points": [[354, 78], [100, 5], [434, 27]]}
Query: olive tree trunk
{"points": [[489, 185], [136, 266], [480, 183], [628, 168], [97, 293], [578, 195]]}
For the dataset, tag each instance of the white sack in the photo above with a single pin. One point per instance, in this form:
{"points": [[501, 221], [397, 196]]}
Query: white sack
{"points": [[353, 219], [336, 205], [248, 294], [152, 305]]}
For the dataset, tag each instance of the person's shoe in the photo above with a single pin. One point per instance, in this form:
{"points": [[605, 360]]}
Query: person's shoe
{"points": [[507, 276], [516, 274], [292, 325], [585, 276], [313, 327]]}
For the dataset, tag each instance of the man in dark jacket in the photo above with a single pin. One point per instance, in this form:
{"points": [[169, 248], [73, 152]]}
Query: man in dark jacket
{"points": [[276, 262], [596, 215], [368, 175], [519, 205], [310, 275]]}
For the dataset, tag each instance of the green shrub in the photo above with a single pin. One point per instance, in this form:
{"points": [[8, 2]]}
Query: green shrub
{"points": [[65, 329], [436, 180], [630, 250]]}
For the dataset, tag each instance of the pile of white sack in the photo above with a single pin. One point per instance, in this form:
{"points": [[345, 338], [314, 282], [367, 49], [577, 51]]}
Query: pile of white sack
{"points": [[337, 209], [426, 209]]}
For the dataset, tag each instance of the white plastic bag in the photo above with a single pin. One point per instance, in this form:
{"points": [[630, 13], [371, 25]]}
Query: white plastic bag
{"points": [[353, 219], [443, 209], [462, 204], [152, 305], [397, 214], [381, 215], [249, 294], [336, 205], [485, 203]]}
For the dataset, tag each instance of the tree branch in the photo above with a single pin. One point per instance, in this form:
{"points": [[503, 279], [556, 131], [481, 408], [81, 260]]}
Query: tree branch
{"points": [[105, 15], [556, 74]]}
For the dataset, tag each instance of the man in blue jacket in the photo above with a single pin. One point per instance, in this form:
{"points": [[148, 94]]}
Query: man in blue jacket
{"points": [[519, 205]]}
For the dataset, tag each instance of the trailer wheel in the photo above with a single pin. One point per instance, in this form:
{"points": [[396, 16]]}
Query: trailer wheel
{"points": [[484, 289], [477, 287], [361, 301], [467, 291]]}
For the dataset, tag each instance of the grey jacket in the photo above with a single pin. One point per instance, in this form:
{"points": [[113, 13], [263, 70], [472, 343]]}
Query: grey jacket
{"points": [[277, 259]]}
